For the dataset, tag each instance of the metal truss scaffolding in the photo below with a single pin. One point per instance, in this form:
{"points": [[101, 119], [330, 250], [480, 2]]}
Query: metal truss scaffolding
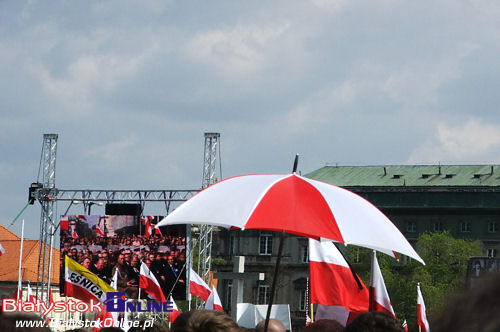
{"points": [[48, 169], [212, 146], [48, 195]]}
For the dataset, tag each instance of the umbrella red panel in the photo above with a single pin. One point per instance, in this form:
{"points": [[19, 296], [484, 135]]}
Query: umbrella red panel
{"points": [[295, 206]]}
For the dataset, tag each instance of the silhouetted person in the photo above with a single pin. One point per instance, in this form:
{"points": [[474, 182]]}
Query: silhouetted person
{"points": [[477, 309], [204, 321], [324, 325], [275, 325], [374, 321]]}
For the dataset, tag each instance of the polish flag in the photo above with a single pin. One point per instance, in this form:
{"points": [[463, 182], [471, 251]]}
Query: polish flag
{"points": [[405, 326], [29, 294], [150, 284], [51, 296], [175, 311], [74, 234], [2, 250], [149, 229], [198, 287], [213, 301], [64, 223], [341, 298], [421, 312], [157, 231], [114, 284], [18, 294], [379, 298]]}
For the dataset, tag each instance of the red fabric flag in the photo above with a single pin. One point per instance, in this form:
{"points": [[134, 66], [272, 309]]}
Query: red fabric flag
{"points": [[405, 326], [198, 287], [421, 312], [379, 298], [175, 311], [64, 223], [149, 229], [213, 301], [340, 298], [150, 284]]}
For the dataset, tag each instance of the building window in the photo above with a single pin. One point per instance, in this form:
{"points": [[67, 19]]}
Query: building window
{"points": [[438, 226], [303, 300], [465, 227], [304, 254], [265, 244], [492, 227], [411, 227], [491, 252], [263, 294]]}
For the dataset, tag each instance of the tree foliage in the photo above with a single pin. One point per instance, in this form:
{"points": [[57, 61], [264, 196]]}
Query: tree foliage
{"points": [[446, 261]]}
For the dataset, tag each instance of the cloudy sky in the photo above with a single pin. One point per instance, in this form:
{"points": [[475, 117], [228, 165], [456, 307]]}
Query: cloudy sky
{"points": [[131, 86]]}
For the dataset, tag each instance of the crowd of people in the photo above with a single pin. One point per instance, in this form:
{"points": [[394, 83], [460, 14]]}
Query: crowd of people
{"points": [[165, 256]]}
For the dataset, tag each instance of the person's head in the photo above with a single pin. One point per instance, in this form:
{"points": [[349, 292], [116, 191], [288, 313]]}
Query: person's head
{"points": [[134, 261], [100, 264], [324, 325], [475, 309], [275, 325], [8, 322], [148, 263], [204, 321], [86, 263], [374, 321], [121, 258]]}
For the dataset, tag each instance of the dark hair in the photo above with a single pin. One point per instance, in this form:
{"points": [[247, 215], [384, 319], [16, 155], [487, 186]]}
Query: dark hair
{"points": [[204, 321], [324, 325], [473, 310], [374, 321], [8, 322]]}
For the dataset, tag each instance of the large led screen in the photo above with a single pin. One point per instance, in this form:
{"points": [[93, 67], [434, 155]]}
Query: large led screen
{"points": [[106, 243]]}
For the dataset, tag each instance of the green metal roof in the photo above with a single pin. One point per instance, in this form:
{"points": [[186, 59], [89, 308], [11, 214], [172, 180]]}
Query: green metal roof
{"points": [[408, 175]]}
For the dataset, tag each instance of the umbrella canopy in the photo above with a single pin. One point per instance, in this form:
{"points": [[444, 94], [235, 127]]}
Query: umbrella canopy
{"points": [[296, 205]]}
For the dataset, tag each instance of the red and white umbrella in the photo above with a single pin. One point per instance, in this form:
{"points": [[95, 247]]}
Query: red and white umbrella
{"points": [[296, 205]]}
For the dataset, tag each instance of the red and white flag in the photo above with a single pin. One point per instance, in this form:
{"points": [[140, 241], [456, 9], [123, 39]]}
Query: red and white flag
{"points": [[198, 287], [99, 229], [379, 298], [341, 297], [51, 296], [213, 301], [405, 326], [18, 294], [74, 234], [175, 311], [150, 284], [2, 250], [29, 294], [421, 312], [149, 229]]}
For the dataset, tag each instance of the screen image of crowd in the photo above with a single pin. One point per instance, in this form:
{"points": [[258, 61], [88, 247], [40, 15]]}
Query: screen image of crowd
{"points": [[104, 243]]}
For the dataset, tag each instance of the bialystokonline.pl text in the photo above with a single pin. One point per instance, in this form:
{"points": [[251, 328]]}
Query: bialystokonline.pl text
{"points": [[76, 324]]}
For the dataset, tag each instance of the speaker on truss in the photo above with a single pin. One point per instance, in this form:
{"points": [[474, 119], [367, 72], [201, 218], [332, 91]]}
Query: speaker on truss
{"points": [[118, 209]]}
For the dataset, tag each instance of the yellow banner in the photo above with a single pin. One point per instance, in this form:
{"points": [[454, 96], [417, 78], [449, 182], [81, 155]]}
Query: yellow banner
{"points": [[83, 284]]}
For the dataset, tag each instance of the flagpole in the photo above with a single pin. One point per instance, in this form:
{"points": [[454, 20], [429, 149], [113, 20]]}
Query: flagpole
{"points": [[19, 278], [278, 261]]}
